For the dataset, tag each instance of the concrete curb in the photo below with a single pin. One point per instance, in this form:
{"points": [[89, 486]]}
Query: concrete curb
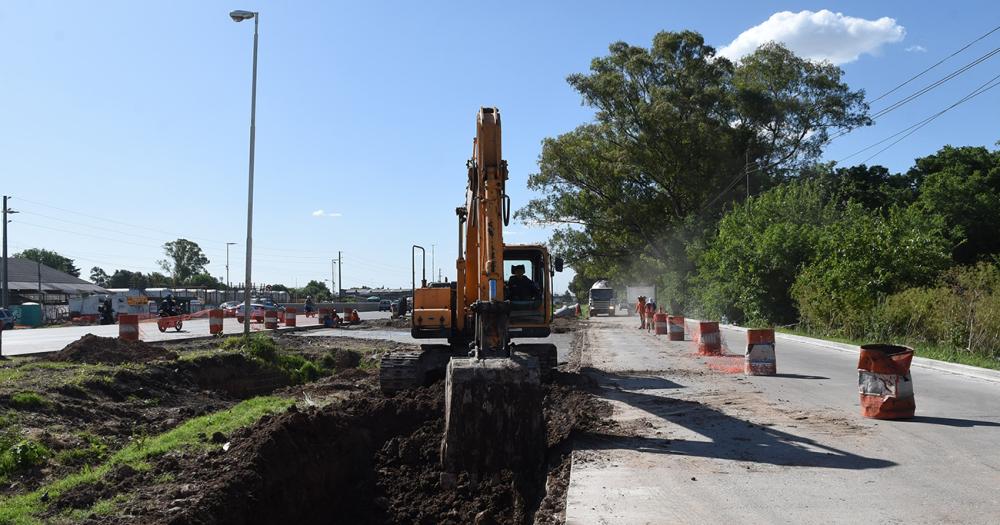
{"points": [[932, 364]]}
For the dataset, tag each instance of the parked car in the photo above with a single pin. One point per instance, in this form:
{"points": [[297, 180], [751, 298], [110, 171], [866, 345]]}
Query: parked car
{"points": [[258, 308], [6, 319], [384, 305], [374, 299]]}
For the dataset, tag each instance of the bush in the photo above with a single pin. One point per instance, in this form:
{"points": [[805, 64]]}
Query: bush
{"points": [[21, 455], [962, 311], [860, 260], [747, 270], [259, 346]]}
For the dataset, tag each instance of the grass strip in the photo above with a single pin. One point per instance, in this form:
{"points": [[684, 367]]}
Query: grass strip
{"points": [[927, 350]]}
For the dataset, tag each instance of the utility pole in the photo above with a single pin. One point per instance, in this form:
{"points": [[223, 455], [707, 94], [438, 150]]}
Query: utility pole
{"points": [[6, 282], [340, 277], [432, 262], [332, 275]]}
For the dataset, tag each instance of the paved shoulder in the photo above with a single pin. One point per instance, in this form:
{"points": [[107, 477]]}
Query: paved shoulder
{"points": [[700, 442]]}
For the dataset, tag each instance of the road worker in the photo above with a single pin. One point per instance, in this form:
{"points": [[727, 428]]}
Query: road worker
{"points": [[650, 312], [640, 308]]}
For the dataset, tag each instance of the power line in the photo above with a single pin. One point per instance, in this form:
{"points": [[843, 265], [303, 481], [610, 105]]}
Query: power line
{"points": [[937, 83], [938, 63], [988, 85]]}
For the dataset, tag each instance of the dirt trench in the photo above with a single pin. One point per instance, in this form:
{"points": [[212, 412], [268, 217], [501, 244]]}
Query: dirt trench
{"points": [[369, 459]]}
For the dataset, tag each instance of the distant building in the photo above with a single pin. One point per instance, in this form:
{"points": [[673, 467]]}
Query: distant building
{"points": [[30, 281]]}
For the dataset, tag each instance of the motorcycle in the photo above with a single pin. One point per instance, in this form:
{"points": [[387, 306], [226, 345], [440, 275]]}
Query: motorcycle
{"points": [[169, 319]]}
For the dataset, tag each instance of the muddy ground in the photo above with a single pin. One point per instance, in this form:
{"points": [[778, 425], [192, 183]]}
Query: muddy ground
{"points": [[344, 453], [99, 394]]}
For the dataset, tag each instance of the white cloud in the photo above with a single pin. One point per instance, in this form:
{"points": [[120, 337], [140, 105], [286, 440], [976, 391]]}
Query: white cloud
{"points": [[916, 49], [321, 213], [317, 213], [821, 35]]}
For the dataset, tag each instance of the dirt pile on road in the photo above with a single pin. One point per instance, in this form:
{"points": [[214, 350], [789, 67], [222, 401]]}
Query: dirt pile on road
{"points": [[400, 323], [562, 325], [368, 459], [93, 349]]}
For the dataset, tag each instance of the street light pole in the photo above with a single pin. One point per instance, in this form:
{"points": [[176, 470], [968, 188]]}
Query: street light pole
{"points": [[239, 16], [332, 275]]}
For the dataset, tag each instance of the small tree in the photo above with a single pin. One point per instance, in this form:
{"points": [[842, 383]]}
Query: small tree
{"points": [[99, 277], [184, 260], [318, 290]]}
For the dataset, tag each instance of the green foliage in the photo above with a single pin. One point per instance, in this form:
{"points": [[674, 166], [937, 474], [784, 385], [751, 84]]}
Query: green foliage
{"points": [[93, 451], [50, 259], [318, 290], [961, 310], [674, 123], [27, 401], [963, 186], [862, 258], [184, 260], [99, 277], [264, 349], [18, 453], [747, 270], [204, 280], [25, 508]]}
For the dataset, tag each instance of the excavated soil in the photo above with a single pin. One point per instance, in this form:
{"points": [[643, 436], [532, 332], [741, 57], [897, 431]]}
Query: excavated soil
{"points": [[367, 459], [93, 349]]}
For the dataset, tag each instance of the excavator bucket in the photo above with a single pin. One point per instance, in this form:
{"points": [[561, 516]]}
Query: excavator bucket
{"points": [[493, 415]]}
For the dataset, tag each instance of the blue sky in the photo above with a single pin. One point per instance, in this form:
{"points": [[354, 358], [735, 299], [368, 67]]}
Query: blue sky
{"points": [[125, 126]]}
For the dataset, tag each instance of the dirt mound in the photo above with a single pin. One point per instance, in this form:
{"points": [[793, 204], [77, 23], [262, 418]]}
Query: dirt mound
{"points": [[398, 323], [94, 349], [369, 459], [562, 325]]}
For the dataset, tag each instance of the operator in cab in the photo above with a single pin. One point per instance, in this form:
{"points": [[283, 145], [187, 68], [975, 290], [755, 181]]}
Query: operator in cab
{"points": [[520, 286]]}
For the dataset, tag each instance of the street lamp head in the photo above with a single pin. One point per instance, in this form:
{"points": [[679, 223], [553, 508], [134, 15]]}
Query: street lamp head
{"points": [[240, 15]]}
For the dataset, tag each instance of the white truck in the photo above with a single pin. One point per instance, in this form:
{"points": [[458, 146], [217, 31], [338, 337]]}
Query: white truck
{"points": [[602, 299], [632, 294]]}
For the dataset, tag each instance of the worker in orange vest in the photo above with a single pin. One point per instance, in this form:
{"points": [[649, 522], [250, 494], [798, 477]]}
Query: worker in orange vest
{"points": [[640, 308], [650, 312]]}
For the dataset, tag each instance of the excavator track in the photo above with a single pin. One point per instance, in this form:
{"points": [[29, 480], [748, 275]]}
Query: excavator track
{"points": [[409, 369], [401, 371]]}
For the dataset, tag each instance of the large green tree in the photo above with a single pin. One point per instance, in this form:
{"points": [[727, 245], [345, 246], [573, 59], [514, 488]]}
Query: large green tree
{"points": [[51, 259], [318, 290], [675, 131], [184, 260]]}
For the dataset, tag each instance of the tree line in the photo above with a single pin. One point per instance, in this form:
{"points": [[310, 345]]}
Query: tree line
{"points": [[703, 176]]}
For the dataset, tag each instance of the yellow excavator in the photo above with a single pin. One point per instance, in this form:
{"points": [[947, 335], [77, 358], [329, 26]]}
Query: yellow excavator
{"points": [[502, 292]]}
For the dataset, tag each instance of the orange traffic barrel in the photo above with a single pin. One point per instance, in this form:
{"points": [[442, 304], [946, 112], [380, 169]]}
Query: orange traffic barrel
{"points": [[215, 321], [347, 314], [290, 314], [884, 381], [709, 338], [760, 357], [660, 324], [676, 323], [271, 319], [128, 327]]}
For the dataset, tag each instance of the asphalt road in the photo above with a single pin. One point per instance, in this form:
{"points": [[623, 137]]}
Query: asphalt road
{"points": [[703, 443], [30, 341]]}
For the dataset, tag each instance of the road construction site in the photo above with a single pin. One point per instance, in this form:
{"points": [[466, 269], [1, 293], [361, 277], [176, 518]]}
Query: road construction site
{"points": [[639, 429]]}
